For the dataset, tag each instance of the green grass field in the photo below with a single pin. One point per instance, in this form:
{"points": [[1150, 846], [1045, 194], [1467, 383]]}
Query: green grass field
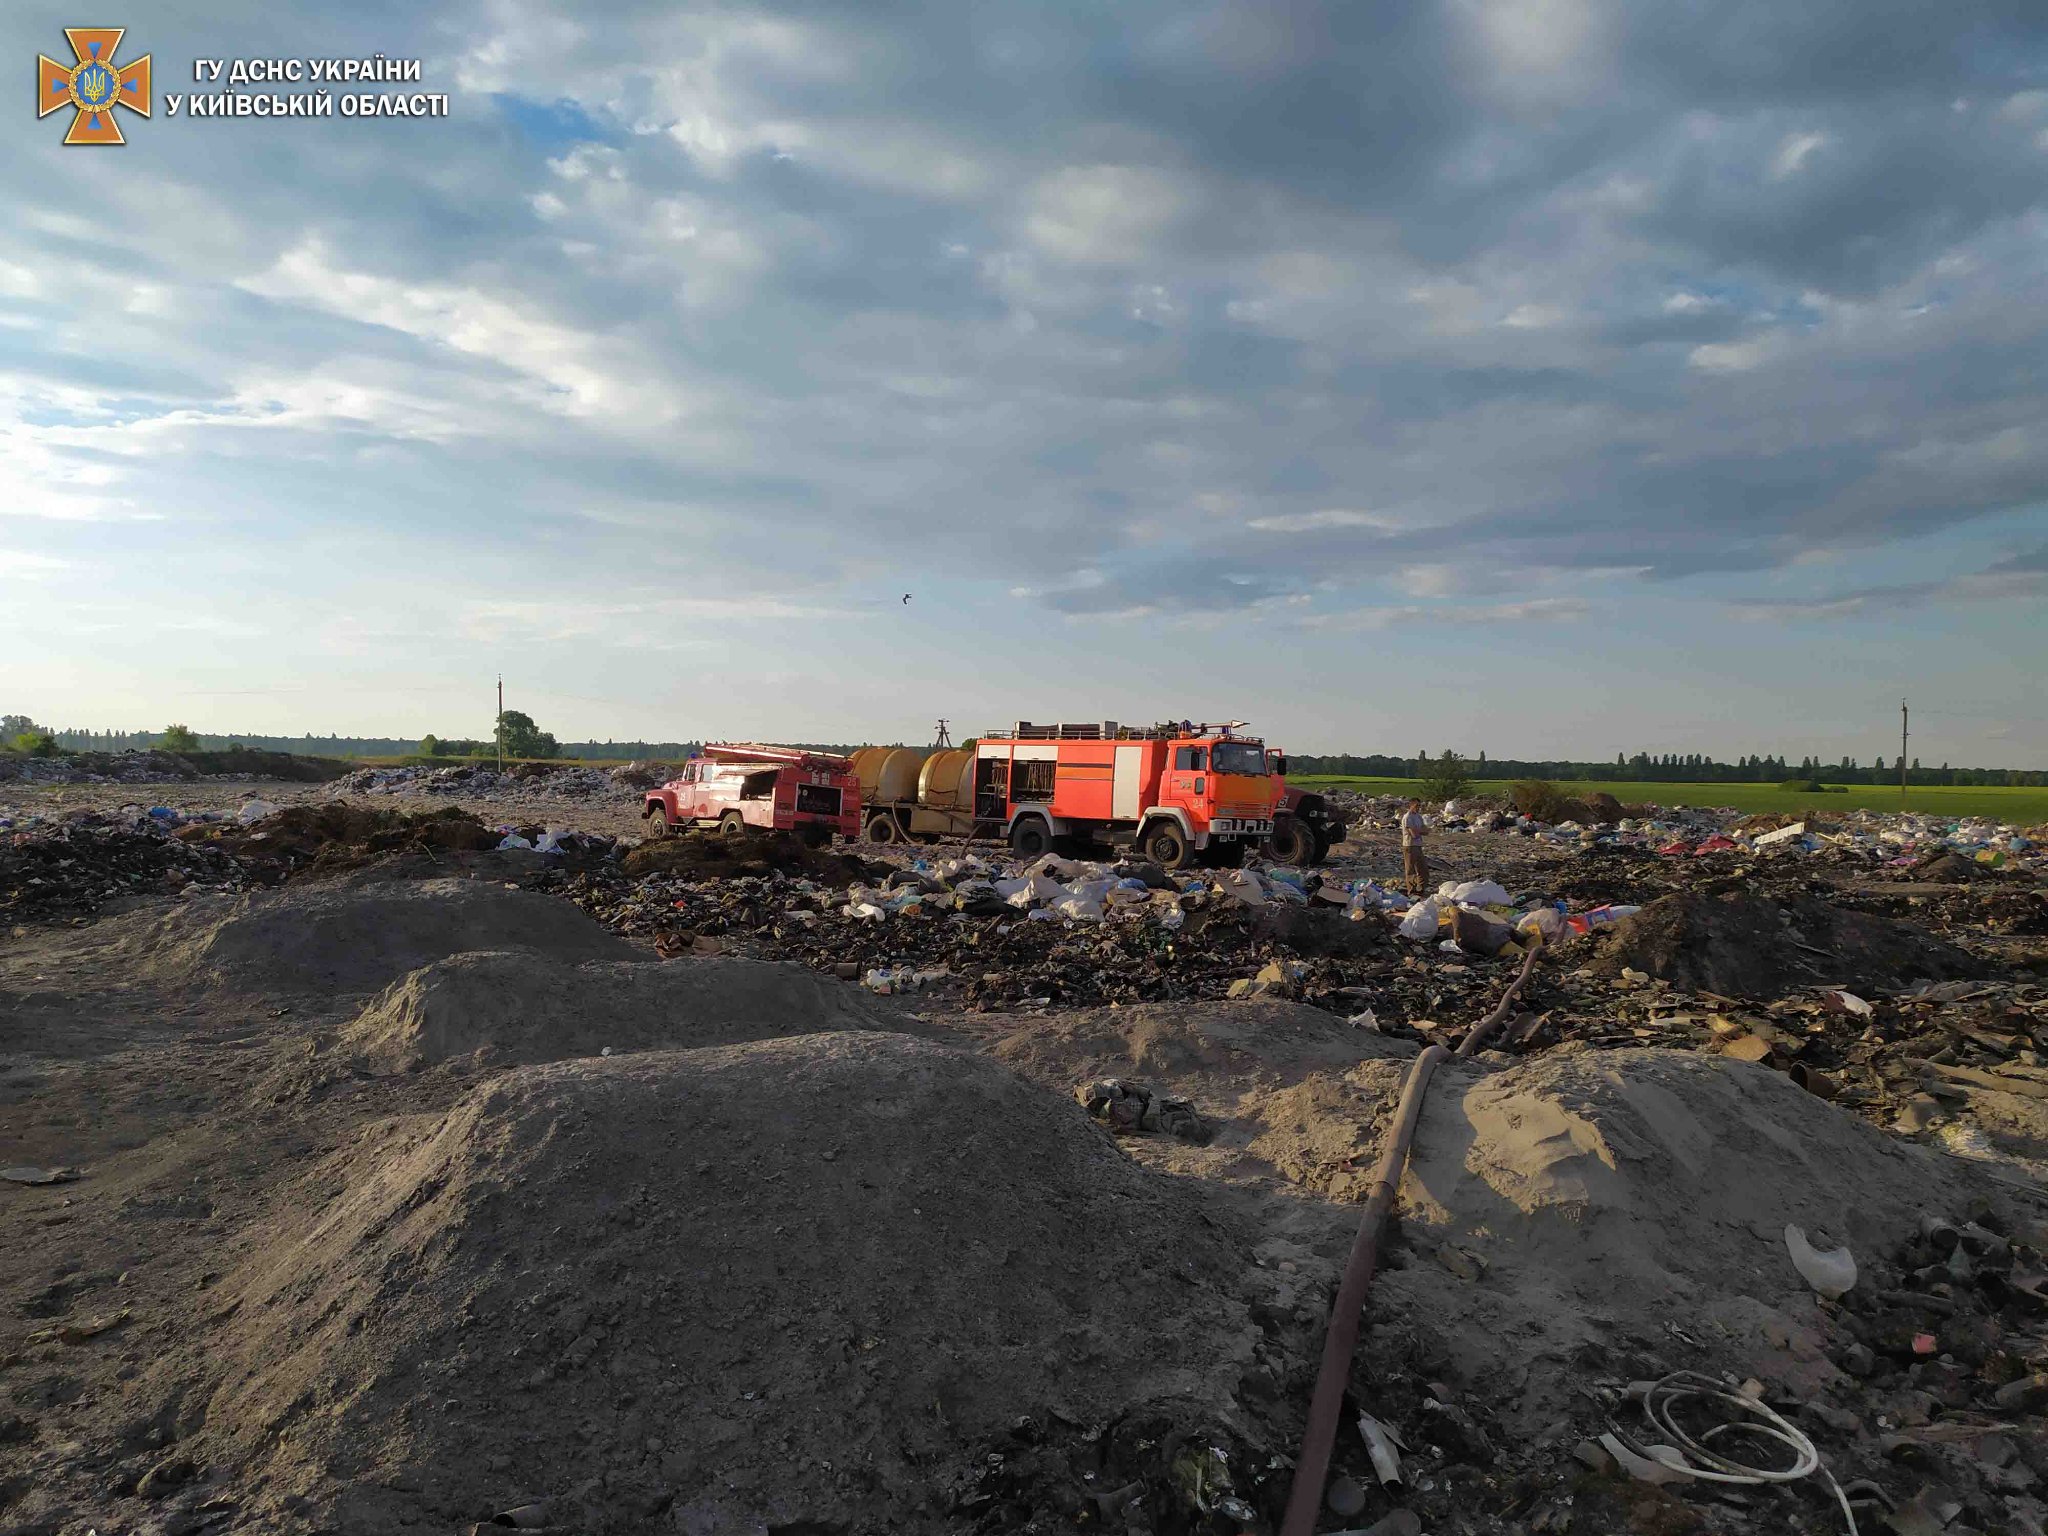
{"points": [[2022, 807]]}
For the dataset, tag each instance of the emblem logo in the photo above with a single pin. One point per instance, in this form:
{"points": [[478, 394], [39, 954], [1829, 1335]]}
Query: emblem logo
{"points": [[93, 86]]}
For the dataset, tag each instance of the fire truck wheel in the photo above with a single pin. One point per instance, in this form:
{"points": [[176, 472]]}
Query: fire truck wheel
{"points": [[1293, 842], [657, 823], [1029, 838], [1166, 846], [881, 829], [732, 824]]}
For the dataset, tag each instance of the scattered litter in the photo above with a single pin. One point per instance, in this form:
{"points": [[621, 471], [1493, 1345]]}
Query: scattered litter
{"points": [[1831, 1272], [1383, 1444], [39, 1175], [1128, 1108]]}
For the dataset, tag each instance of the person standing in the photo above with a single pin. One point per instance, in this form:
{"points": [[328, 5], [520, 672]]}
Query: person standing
{"points": [[1414, 863]]}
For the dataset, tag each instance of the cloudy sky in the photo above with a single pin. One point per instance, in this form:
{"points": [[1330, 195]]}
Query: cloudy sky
{"points": [[1547, 376]]}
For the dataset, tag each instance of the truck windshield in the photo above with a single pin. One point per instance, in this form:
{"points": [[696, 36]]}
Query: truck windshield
{"points": [[1238, 757]]}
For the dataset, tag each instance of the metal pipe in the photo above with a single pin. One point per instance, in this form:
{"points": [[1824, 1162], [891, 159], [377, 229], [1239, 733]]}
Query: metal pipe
{"points": [[1481, 1031], [1319, 1437]]}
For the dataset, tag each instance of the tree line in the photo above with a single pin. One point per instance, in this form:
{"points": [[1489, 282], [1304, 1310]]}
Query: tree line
{"points": [[522, 738], [1662, 768]]}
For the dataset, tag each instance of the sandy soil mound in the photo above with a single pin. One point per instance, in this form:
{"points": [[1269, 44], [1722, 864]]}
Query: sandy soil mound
{"points": [[348, 937], [1751, 946], [1588, 1200], [1278, 1081], [775, 1286], [523, 1007]]}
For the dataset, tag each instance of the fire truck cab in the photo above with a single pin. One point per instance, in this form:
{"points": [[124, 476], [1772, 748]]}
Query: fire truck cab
{"points": [[1181, 793], [733, 787]]}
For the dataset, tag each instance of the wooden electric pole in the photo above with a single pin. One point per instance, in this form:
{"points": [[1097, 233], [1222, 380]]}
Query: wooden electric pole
{"points": [[501, 722], [1902, 754]]}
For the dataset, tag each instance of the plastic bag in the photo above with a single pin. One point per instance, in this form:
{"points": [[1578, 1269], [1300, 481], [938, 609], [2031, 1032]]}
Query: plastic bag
{"points": [[1420, 922], [1477, 893], [255, 810], [514, 840]]}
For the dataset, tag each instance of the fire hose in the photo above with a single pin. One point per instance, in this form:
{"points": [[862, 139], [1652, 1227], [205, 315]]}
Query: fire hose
{"points": [[1312, 1467]]}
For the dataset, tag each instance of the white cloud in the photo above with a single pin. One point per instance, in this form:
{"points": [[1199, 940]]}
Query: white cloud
{"points": [[1103, 213], [1542, 610], [579, 373], [1735, 356], [1316, 522], [1793, 152], [1534, 317], [24, 565]]}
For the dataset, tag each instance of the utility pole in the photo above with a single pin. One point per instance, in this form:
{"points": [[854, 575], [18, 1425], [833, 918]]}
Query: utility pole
{"points": [[1902, 754], [500, 722]]}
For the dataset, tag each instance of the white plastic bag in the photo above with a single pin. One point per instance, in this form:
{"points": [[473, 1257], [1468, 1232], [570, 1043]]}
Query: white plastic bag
{"points": [[1421, 921], [255, 810], [1480, 893]]}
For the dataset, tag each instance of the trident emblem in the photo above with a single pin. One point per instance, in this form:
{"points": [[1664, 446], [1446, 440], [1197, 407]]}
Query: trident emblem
{"points": [[94, 85]]}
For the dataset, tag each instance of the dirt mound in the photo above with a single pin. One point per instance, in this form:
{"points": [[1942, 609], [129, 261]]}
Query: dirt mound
{"points": [[341, 937], [1945, 866], [1276, 1080], [1589, 1198], [339, 834], [1226, 1044], [1741, 945], [156, 767], [781, 1286], [712, 855], [527, 1008]]}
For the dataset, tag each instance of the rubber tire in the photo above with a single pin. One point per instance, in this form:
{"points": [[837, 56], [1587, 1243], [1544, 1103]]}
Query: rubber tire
{"points": [[1323, 847], [657, 825], [1029, 838], [731, 824], [881, 828], [1167, 846], [1293, 842]]}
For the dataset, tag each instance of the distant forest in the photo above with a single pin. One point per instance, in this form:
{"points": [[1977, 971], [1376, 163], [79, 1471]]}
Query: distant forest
{"points": [[1669, 768], [1644, 767]]}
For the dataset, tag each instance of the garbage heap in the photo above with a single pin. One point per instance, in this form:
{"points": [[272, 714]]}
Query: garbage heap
{"points": [[1885, 838], [999, 934], [68, 869], [563, 781]]}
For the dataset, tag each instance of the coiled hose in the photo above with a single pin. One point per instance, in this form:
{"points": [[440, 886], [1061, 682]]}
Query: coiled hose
{"points": [[1740, 1416]]}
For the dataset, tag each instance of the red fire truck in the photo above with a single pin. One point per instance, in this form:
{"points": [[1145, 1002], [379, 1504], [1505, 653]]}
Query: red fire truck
{"points": [[732, 786], [1183, 793]]}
